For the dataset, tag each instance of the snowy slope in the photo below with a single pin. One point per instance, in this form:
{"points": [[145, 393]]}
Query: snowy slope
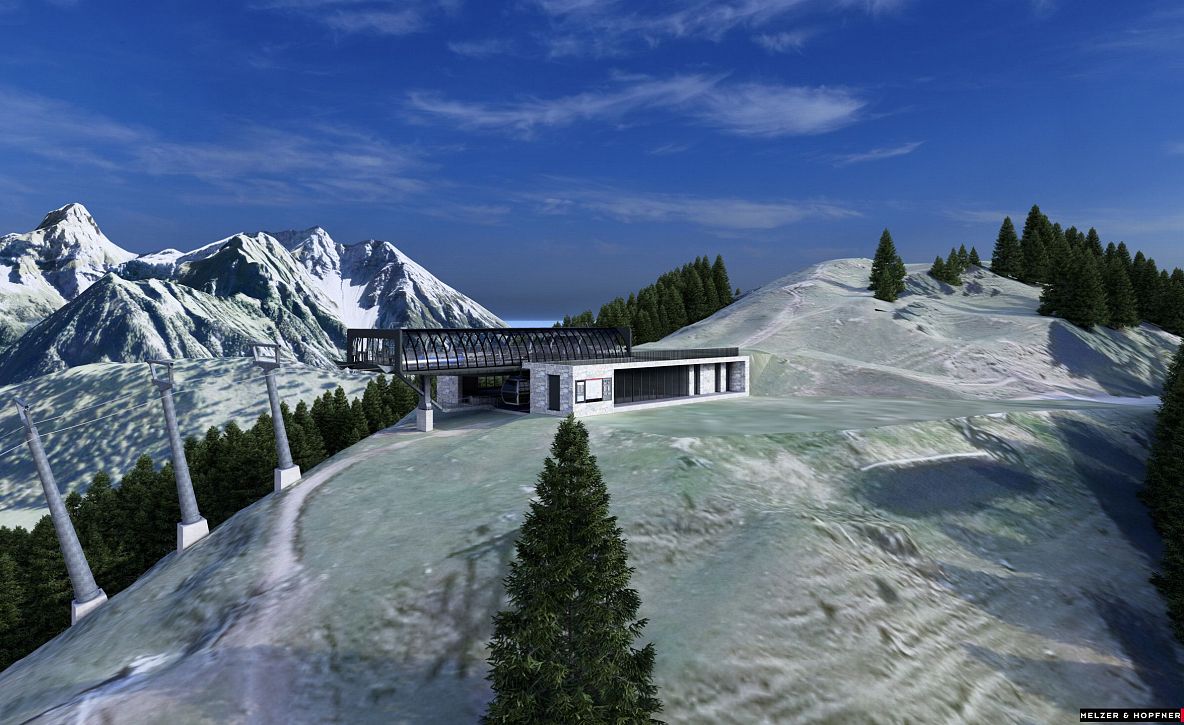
{"points": [[209, 392], [822, 333], [43, 269], [166, 263], [116, 320], [373, 284]]}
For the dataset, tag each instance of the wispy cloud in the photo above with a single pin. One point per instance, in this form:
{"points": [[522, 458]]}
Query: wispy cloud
{"points": [[785, 41], [757, 109], [750, 109], [1176, 148], [607, 27], [376, 17], [254, 163], [482, 48], [877, 154], [976, 216], [723, 213]]}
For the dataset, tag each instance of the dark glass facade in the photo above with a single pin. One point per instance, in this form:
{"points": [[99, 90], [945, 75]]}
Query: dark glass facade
{"points": [[635, 385]]}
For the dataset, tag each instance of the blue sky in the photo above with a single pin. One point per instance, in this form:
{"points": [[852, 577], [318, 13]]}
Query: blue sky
{"points": [[546, 155]]}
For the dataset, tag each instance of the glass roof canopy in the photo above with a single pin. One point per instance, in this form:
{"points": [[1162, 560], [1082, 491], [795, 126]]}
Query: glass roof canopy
{"points": [[435, 351]]}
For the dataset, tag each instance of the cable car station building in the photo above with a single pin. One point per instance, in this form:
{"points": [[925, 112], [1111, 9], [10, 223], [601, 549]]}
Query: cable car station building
{"points": [[549, 371]]}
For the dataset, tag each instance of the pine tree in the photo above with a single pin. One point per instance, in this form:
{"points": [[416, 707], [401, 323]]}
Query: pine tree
{"points": [[954, 267], [1124, 256], [888, 272], [359, 428], [695, 296], [1085, 303], [1093, 242], [12, 595], [314, 446], [1033, 245], [974, 261], [723, 285], [1164, 491], [938, 270], [1120, 296], [1061, 281], [563, 651], [1007, 259]]}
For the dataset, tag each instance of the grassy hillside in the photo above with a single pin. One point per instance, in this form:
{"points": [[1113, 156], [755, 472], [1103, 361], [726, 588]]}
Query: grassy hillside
{"points": [[827, 556]]}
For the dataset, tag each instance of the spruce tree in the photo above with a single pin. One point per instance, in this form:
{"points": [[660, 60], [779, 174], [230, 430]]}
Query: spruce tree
{"points": [[963, 257], [12, 597], [1007, 259], [1164, 492], [954, 267], [1124, 255], [723, 285], [1120, 296], [974, 260], [1033, 245], [938, 270], [1085, 303], [563, 650], [888, 272], [1093, 242]]}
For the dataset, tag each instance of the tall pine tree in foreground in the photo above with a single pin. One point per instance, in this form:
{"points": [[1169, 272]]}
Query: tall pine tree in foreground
{"points": [[887, 277], [1164, 492], [563, 652]]}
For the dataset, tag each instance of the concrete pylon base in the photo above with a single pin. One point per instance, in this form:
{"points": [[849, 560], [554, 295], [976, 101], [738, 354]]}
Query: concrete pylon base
{"points": [[423, 419], [80, 610], [190, 534], [285, 477]]}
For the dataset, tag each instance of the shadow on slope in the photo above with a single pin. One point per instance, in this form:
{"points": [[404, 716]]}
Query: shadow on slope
{"points": [[1114, 360], [1114, 477]]}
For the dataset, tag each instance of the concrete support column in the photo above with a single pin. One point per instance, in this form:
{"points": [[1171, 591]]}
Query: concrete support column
{"points": [[448, 390], [87, 594], [423, 413], [192, 527], [267, 357]]}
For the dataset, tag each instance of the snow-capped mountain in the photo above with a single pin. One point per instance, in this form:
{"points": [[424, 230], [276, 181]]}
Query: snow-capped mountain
{"points": [[43, 269], [117, 320], [259, 268], [373, 284], [301, 286], [166, 263]]}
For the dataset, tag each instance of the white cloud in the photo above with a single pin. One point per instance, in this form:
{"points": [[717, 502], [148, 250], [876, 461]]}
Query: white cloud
{"points": [[607, 27], [718, 213], [481, 48], [1176, 148], [887, 152], [745, 109], [375, 17], [757, 109], [254, 163], [783, 42]]}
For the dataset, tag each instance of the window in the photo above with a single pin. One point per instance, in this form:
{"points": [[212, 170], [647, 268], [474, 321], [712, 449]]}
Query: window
{"points": [[594, 390]]}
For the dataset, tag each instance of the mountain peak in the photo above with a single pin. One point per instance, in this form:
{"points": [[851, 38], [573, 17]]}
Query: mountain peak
{"points": [[73, 213]]}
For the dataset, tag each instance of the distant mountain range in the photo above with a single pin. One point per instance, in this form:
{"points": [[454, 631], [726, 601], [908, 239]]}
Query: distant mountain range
{"points": [[70, 296]]}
